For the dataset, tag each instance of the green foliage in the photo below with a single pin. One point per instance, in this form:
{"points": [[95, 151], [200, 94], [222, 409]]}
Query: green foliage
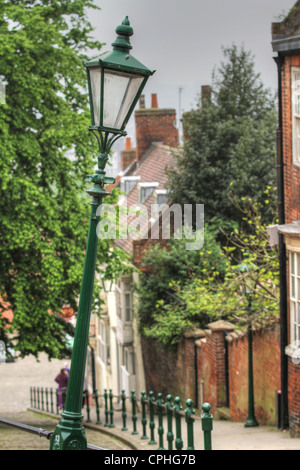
{"points": [[229, 141], [45, 153], [171, 268], [207, 296]]}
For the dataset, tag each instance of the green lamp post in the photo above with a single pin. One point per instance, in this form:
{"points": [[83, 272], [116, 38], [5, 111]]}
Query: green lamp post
{"points": [[248, 290], [115, 81]]}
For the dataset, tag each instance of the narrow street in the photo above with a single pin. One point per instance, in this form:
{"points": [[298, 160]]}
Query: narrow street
{"points": [[16, 379]]}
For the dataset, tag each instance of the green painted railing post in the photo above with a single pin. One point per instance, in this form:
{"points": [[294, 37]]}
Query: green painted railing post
{"points": [[134, 416], [207, 425], [31, 395], [151, 399], [57, 406], [86, 392], [38, 398], [47, 399], [106, 409], [160, 428], [124, 414], [144, 415], [96, 395], [51, 400], [177, 414], [34, 397], [189, 411], [169, 408], [64, 396], [111, 412], [42, 398]]}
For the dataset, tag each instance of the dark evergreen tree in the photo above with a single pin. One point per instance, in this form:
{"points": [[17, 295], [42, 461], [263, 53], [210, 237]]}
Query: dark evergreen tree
{"points": [[230, 142]]}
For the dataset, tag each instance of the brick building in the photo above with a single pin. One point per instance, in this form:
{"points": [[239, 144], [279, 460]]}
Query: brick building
{"points": [[286, 44]]}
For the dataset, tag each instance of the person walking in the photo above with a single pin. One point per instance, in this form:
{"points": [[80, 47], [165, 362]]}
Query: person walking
{"points": [[62, 380]]}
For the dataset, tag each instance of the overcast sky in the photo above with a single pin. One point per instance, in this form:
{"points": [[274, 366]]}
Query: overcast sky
{"points": [[182, 40]]}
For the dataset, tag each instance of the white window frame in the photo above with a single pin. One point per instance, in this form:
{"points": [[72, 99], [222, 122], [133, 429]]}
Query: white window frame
{"points": [[129, 360], [145, 190], [104, 350], [127, 183], [294, 263], [295, 98], [162, 197], [124, 300]]}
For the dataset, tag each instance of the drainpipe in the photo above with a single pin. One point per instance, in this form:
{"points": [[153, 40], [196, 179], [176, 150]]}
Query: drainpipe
{"points": [[196, 376], [93, 369], [284, 419]]}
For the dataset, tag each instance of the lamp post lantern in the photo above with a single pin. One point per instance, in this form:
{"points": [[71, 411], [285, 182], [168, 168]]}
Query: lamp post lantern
{"points": [[115, 81], [248, 290]]}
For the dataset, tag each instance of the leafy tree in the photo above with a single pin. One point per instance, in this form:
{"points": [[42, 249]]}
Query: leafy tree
{"points": [[45, 154], [173, 266], [209, 297], [229, 141]]}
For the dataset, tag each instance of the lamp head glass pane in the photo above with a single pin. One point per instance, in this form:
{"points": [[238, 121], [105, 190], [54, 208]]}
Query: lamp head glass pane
{"points": [[120, 91]]}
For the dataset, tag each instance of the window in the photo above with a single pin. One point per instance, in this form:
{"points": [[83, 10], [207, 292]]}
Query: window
{"points": [[129, 360], [162, 196], [127, 301], [295, 296], [145, 190], [296, 114], [118, 299], [123, 300], [127, 183], [104, 342]]}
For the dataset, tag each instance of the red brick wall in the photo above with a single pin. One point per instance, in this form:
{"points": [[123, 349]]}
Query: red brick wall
{"points": [[155, 125], [266, 373], [211, 369], [291, 172], [127, 157], [294, 398], [207, 373], [174, 372], [171, 372], [238, 378]]}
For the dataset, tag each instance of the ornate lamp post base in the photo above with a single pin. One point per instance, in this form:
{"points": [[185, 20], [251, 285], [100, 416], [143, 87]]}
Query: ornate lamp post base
{"points": [[251, 423], [69, 433]]}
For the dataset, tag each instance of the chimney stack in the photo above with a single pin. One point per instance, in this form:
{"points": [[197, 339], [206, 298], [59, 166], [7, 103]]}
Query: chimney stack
{"points": [[205, 95], [128, 155], [128, 143], [154, 125], [154, 103]]}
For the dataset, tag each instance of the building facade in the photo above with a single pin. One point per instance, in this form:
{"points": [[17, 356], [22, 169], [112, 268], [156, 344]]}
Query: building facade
{"points": [[286, 46]]}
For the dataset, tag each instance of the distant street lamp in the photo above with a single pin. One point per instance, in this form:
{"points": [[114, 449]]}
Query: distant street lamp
{"points": [[116, 81], [249, 286]]}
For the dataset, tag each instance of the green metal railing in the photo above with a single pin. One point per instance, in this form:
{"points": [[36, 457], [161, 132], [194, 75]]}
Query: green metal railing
{"points": [[152, 412], [38, 431]]}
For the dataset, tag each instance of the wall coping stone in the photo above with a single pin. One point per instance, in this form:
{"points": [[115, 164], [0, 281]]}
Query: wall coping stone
{"points": [[196, 333], [155, 111], [200, 342], [221, 325]]}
